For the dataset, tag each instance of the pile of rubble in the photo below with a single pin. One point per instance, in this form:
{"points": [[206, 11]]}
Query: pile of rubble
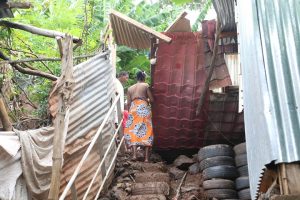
{"points": [[155, 180]]}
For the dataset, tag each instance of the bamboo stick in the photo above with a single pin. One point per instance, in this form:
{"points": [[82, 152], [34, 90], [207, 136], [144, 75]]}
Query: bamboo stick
{"points": [[62, 119]]}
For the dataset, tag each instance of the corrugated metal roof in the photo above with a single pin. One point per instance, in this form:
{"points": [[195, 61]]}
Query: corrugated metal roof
{"points": [[225, 12], [91, 101], [131, 33], [269, 35]]}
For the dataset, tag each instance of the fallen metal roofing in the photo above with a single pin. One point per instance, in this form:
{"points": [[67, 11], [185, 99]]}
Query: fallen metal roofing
{"points": [[269, 36], [225, 12], [131, 33], [181, 24]]}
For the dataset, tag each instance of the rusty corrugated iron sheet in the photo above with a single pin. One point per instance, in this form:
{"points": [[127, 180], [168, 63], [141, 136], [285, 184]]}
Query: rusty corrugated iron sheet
{"points": [[269, 35], [225, 124], [131, 33], [178, 79], [91, 100], [220, 77]]}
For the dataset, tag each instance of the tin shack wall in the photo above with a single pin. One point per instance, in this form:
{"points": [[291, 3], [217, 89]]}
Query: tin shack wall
{"points": [[91, 101], [269, 36]]}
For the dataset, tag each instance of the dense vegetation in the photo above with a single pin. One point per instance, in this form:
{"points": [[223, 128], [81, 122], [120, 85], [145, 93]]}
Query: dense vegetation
{"points": [[26, 95]]}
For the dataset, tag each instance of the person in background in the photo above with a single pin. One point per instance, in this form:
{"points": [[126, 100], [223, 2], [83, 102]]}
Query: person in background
{"points": [[138, 129], [120, 81]]}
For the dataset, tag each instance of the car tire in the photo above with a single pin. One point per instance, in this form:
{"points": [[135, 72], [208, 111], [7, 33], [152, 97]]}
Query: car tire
{"points": [[223, 171], [215, 150], [218, 184], [216, 161], [243, 170], [221, 193], [241, 160], [244, 194], [242, 182], [240, 149]]}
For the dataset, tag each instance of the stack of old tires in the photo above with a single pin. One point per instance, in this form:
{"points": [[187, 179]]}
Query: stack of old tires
{"points": [[218, 170], [242, 182]]}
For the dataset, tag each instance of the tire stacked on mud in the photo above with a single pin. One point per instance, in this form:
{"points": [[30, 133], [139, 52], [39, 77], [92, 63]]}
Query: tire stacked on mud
{"points": [[218, 171], [242, 182]]}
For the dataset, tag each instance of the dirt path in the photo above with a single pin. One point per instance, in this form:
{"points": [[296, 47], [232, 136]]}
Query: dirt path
{"points": [[152, 181]]}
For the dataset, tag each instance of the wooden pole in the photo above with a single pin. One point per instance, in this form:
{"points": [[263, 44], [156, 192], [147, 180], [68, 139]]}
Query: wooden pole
{"points": [[44, 59], [211, 70], [18, 5], [64, 89], [36, 30], [4, 117], [29, 71]]}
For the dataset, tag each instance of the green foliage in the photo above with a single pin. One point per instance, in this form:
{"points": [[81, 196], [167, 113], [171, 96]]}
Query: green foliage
{"points": [[182, 1], [202, 14]]}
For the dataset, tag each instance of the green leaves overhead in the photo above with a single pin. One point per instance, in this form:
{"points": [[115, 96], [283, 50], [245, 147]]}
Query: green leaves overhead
{"points": [[182, 1]]}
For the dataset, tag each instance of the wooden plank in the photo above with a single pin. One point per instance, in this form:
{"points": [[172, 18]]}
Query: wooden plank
{"points": [[289, 178], [120, 117], [178, 22], [285, 197], [64, 89], [140, 26]]}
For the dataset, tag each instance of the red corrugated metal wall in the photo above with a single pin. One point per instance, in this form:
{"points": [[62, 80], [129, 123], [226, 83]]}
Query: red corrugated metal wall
{"points": [[178, 78]]}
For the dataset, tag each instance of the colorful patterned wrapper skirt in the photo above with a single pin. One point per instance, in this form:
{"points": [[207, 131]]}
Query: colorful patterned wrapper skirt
{"points": [[138, 129]]}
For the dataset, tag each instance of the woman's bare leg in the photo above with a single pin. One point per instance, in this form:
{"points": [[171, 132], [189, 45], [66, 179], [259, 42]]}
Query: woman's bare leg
{"points": [[147, 154], [134, 152]]}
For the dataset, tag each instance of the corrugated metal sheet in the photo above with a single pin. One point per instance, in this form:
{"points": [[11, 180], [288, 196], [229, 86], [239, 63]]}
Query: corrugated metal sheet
{"points": [[269, 35], [225, 12], [233, 65], [92, 96], [178, 79], [131, 33], [220, 77], [224, 124]]}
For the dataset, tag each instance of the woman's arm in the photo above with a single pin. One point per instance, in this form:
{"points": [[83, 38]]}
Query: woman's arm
{"points": [[128, 100], [149, 94]]}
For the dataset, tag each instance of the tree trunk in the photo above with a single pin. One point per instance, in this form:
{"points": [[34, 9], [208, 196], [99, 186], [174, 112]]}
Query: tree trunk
{"points": [[35, 30], [4, 117]]}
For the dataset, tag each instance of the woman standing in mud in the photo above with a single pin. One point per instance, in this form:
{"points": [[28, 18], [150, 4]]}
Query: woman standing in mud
{"points": [[138, 130]]}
